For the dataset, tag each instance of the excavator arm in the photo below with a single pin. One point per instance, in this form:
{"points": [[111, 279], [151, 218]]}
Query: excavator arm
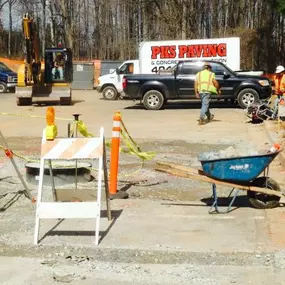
{"points": [[32, 59]]}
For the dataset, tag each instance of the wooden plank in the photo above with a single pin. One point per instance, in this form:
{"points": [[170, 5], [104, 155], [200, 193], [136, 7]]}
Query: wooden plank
{"points": [[198, 174]]}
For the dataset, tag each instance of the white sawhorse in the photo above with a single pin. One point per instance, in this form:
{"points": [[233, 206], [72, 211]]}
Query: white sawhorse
{"points": [[69, 149]]}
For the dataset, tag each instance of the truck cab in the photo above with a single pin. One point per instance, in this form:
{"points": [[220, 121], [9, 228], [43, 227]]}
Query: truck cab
{"points": [[110, 85], [8, 79]]}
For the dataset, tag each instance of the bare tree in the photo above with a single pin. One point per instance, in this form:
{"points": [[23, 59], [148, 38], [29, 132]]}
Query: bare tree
{"points": [[10, 6]]}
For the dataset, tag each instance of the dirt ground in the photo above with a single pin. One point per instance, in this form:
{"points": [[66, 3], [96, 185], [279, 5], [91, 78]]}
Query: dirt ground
{"points": [[143, 246]]}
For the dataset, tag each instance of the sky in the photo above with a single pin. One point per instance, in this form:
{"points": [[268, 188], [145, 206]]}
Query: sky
{"points": [[17, 21]]}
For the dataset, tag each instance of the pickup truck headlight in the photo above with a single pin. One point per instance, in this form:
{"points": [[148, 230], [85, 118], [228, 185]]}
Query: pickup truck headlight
{"points": [[10, 78], [264, 82]]}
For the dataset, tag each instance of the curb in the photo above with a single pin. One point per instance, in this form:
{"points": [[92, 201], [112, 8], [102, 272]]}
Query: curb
{"points": [[273, 137]]}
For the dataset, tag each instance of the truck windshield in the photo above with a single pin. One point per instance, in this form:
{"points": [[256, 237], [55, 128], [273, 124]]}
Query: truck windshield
{"points": [[4, 68]]}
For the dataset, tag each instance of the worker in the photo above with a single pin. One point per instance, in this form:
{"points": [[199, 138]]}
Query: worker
{"points": [[57, 70], [206, 85], [278, 88]]}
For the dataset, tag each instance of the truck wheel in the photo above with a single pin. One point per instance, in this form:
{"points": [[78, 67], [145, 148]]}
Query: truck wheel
{"points": [[153, 100], [246, 97], [110, 93], [264, 201], [3, 87]]}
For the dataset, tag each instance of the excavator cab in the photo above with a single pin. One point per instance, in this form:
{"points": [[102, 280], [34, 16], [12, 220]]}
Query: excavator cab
{"points": [[58, 66]]}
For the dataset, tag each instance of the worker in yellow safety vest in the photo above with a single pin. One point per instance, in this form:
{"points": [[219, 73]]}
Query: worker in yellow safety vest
{"points": [[206, 85]]}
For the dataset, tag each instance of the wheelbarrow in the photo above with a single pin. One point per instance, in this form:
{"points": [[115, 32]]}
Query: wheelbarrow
{"points": [[239, 173]]}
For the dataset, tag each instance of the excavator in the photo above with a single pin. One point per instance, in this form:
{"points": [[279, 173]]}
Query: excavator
{"points": [[43, 80]]}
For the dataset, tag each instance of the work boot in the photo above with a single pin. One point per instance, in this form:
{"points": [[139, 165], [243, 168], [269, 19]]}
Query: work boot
{"points": [[201, 122], [209, 119]]}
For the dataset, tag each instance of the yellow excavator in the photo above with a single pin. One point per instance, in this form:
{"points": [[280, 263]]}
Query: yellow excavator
{"points": [[45, 80]]}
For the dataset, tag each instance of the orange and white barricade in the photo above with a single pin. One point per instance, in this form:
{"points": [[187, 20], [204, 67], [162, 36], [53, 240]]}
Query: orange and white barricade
{"points": [[69, 149]]}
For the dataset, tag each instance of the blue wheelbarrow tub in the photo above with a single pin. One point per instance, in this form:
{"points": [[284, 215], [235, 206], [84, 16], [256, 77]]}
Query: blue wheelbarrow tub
{"points": [[238, 169]]}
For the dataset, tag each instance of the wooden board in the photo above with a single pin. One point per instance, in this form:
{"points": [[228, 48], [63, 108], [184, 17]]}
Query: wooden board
{"points": [[198, 174]]}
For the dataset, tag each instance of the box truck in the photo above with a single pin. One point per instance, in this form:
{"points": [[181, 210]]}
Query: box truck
{"points": [[158, 56]]}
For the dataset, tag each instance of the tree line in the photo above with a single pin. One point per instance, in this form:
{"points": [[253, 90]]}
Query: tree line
{"points": [[113, 29]]}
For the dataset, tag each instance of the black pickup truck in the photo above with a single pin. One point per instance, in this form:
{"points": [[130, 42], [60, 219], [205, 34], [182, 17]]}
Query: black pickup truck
{"points": [[154, 90]]}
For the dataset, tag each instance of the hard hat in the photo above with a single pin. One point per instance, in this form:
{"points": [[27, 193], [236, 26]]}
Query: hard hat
{"points": [[279, 69], [207, 64]]}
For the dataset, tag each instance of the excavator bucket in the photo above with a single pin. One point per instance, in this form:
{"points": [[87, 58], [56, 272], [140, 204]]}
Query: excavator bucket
{"points": [[43, 95]]}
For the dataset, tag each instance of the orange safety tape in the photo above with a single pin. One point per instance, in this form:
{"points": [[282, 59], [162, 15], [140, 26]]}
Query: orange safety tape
{"points": [[116, 129]]}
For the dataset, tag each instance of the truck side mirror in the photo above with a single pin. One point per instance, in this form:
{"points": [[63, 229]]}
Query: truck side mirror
{"points": [[117, 70], [226, 75]]}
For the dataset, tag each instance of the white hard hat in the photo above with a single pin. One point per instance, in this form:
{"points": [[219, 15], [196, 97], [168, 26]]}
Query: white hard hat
{"points": [[279, 68]]}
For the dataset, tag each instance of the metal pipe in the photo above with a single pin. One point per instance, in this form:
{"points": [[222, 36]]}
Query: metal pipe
{"points": [[76, 118]]}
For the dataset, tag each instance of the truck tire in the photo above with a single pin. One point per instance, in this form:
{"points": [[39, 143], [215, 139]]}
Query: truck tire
{"points": [[260, 200], [3, 87], [110, 93], [153, 100], [246, 97]]}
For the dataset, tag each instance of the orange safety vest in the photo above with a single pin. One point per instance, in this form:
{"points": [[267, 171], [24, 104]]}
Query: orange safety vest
{"points": [[205, 82], [279, 84]]}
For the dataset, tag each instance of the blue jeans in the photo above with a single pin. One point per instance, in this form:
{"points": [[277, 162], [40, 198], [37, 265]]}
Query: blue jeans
{"points": [[57, 73], [276, 103], [205, 109]]}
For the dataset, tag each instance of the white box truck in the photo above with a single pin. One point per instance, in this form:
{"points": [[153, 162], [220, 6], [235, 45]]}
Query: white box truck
{"points": [[157, 56]]}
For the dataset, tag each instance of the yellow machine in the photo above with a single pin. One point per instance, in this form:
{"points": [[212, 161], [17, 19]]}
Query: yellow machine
{"points": [[42, 81]]}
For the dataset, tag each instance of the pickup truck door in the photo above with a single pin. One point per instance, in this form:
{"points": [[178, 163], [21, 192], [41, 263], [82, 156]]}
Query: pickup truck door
{"points": [[185, 79], [226, 80]]}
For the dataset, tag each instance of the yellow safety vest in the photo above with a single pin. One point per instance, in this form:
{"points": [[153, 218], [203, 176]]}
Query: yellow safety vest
{"points": [[205, 82]]}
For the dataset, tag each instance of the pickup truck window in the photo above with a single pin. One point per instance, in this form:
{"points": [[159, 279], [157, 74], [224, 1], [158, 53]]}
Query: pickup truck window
{"points": [[190, 68], [219, 69]]}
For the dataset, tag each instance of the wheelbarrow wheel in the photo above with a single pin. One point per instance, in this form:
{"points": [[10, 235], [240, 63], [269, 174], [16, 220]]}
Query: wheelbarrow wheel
{"points": [[261, 200]]}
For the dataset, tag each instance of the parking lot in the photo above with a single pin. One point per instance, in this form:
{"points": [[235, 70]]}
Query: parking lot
{"points": [[163, 233]]}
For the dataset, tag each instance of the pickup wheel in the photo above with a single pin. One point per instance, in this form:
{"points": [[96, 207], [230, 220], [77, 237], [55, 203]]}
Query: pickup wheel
{"points": [[3, 87], [110, 93], [246, 97], [153, 100]]}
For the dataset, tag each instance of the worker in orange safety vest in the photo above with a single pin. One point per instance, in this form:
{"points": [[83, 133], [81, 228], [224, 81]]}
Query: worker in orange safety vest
{"points": [[278, 88], [206, 85]]}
